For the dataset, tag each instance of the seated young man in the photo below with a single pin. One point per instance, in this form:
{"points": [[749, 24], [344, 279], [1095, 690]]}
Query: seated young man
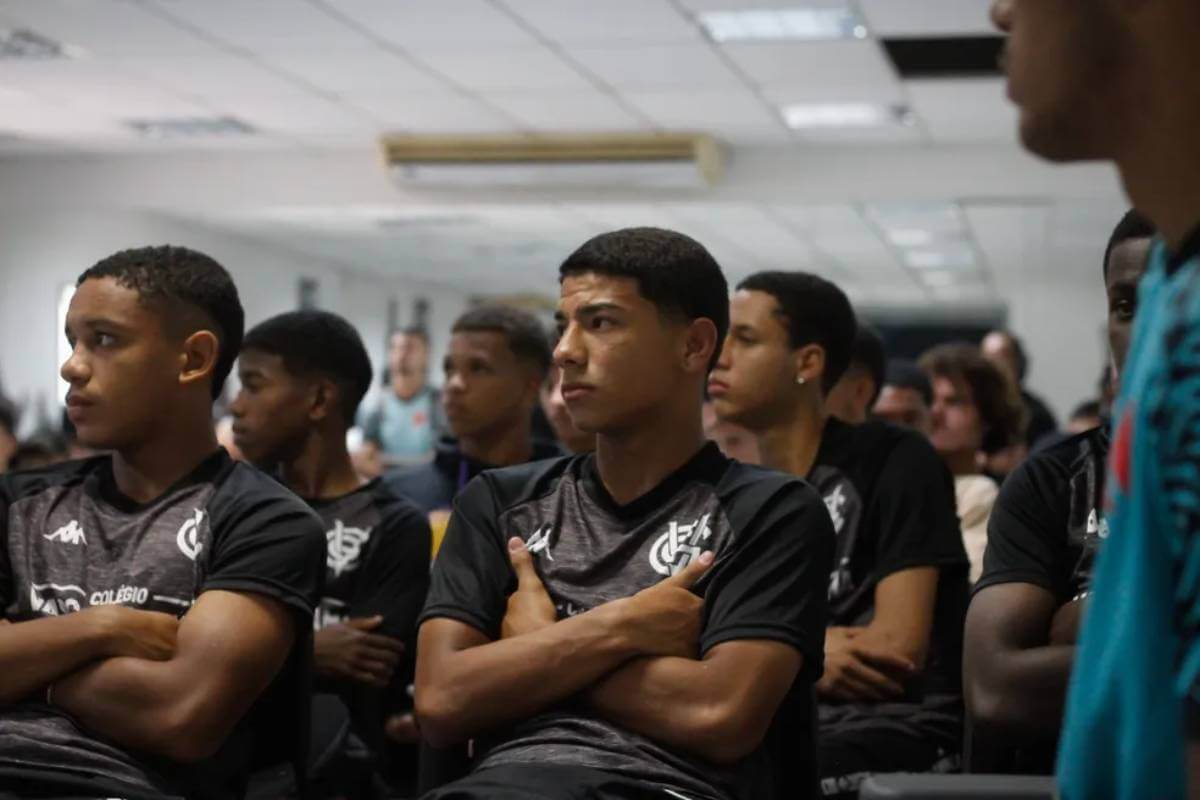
{"points": [[1045, 530], [303, 375], [853, 396], [661, 601], [890, 698], [494, 367], [151, 596], [907, 398]]}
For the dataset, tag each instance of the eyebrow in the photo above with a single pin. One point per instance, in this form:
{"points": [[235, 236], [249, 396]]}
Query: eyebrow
{"points": [[98, 322]]}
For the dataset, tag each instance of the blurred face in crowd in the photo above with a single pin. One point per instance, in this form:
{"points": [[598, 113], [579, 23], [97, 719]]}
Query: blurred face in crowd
{"points": [[957, 426], [1126, 265], [624, 363], [735, 441], [128, 372], [273, 411], [906, 407], [408, 362], [487, 389], [850, 398], [555, 408], [1067, 65], [998, 348], [754, 383]]}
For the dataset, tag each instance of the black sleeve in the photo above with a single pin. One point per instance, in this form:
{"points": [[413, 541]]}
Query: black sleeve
{"points": [[7, 587], [916, 515], [472, 576], [396, 576], [265, 541], [1027, 532], [773, 583]]}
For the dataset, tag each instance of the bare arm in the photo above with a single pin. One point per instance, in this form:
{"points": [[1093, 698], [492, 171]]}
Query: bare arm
{"points": [[719, 707], [36, 653], [230, 647], [1014, 680], [903, 622]]}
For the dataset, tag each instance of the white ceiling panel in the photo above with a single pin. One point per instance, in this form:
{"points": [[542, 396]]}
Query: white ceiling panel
{"points": [[486, 70], [927, 17], [265, 25], [353, 71], [587, 21], [104, 27], [453, 23], [588, 110], [215, 79], [837, 64], [433, 113], [672, 66], [964, 110], [296, 112], [721, 112], [889, 134]]}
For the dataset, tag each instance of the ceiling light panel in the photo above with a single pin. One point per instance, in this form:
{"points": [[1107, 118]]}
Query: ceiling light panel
{"points": [[782, 24], [844, 115]]}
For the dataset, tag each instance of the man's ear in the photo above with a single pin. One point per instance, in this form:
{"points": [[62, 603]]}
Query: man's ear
{"points": [[324, 399], [809, 361], [198, 357], [699, 345]]}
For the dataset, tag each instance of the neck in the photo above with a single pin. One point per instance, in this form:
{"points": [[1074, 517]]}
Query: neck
{"points": [[634, 461], [144, 472], [323, 468], [961, 463], [792, 446], [505, 445], [406, 388]]}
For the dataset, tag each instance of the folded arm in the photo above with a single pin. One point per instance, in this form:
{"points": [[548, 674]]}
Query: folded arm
{"points": [[230, 647]]}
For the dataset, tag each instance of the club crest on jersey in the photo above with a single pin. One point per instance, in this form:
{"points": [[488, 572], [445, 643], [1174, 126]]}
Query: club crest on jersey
{"points": [[54, 600], [188, 537], [344, 545], [71, 533], [835, 504], [678, 545]]}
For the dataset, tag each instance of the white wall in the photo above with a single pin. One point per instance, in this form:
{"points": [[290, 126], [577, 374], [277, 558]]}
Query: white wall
{"points": [[41, 250]]}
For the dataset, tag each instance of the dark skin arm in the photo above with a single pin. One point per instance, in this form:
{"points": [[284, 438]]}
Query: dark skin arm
{"points": [[36, 653], [230, 647], [1014, 678], [468, 684]]}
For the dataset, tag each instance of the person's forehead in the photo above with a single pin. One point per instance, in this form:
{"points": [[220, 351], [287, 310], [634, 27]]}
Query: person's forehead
{"points": [[478, 343], [1128, 261], [260, 361], [587, 288]]}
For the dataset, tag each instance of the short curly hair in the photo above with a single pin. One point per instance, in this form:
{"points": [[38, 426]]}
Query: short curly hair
{"points": [[996, 396], [170, 276]]}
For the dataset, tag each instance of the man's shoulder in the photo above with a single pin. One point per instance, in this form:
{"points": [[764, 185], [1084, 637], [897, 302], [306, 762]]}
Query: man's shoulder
{"points": [[244, 493], [1053, 467], [745, 490], [17, 485], [394, 508], [425, 486], [511, 486]]}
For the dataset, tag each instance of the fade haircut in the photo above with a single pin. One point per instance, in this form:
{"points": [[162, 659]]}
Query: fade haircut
{"points": [[318, 343], [814, 311], [996, 396], [868, 354], [167, 278], [522, 331], [673, 271], [1132, 226]]}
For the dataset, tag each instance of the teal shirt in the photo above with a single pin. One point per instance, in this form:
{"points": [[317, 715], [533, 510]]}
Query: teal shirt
{"points": [[1139, 652], [406, 430]]}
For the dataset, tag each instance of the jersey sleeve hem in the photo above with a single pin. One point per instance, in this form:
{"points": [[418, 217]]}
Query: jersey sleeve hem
{"points": [[459, 615], [257, 585]]}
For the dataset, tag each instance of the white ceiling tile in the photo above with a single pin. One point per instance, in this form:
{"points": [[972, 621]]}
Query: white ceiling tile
{"points": [[295, 112], [672, 66], [353, 71], [433, 113], [455, 23], [709, 111], [837, 64], [888, 93], [920, 18], [485, 70], [213, 78], [888, 134], [265, 25], [587, 21], [974, 110], [104, 27], [565, 111]]}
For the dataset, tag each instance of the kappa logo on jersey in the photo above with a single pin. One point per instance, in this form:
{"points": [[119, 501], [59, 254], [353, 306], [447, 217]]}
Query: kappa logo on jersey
{"points": [[344, 546], [835, 504], [70, 533], [54, 600], [1097, 525], [676, 548], [188, 537], [539, 541]]}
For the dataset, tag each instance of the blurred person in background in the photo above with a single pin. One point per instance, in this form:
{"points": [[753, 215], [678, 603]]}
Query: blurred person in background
{"points": [[735, 441], [1006, 351], [407, 420], [8, 432], [571, 438], [854, 395], [976, 411], [907, 398]]}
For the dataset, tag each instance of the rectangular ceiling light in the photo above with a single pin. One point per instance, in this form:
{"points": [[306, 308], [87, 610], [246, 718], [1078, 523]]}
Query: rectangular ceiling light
{"points": [[189, 127], [782, 24], [844, 115], [960, 256], [20, 44]]}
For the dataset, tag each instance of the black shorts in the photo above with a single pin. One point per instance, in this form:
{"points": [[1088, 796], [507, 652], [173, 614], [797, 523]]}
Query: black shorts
{"points": [[548, 782]]}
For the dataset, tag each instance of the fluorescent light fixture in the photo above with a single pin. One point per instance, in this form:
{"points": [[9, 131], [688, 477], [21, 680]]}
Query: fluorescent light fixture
{"points": [[910, 237], [937, 218], [842, 115], [782, 24], [22, 44], [939, 279], [950, 257], [189, 127]]}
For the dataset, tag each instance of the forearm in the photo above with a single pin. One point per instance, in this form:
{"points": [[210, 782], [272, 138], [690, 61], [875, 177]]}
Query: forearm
{"points": [[1020, 692], [473, 690], [33, 654]]}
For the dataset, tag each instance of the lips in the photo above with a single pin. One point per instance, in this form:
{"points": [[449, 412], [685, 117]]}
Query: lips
{"points": [[717, 388], [574, 391]]}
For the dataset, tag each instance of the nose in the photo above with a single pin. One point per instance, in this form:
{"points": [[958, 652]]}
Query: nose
{"points": [[725, 359], [75, 369], [1002, 12], [238, 407], [569, 349]]}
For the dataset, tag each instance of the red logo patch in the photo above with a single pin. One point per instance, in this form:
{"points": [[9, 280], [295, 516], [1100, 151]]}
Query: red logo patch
{"points": [[419, 419], [1122, 452]]}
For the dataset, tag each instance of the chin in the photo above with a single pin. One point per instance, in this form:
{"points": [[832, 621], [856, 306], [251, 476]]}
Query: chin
{"points": [[1057, 139]]}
